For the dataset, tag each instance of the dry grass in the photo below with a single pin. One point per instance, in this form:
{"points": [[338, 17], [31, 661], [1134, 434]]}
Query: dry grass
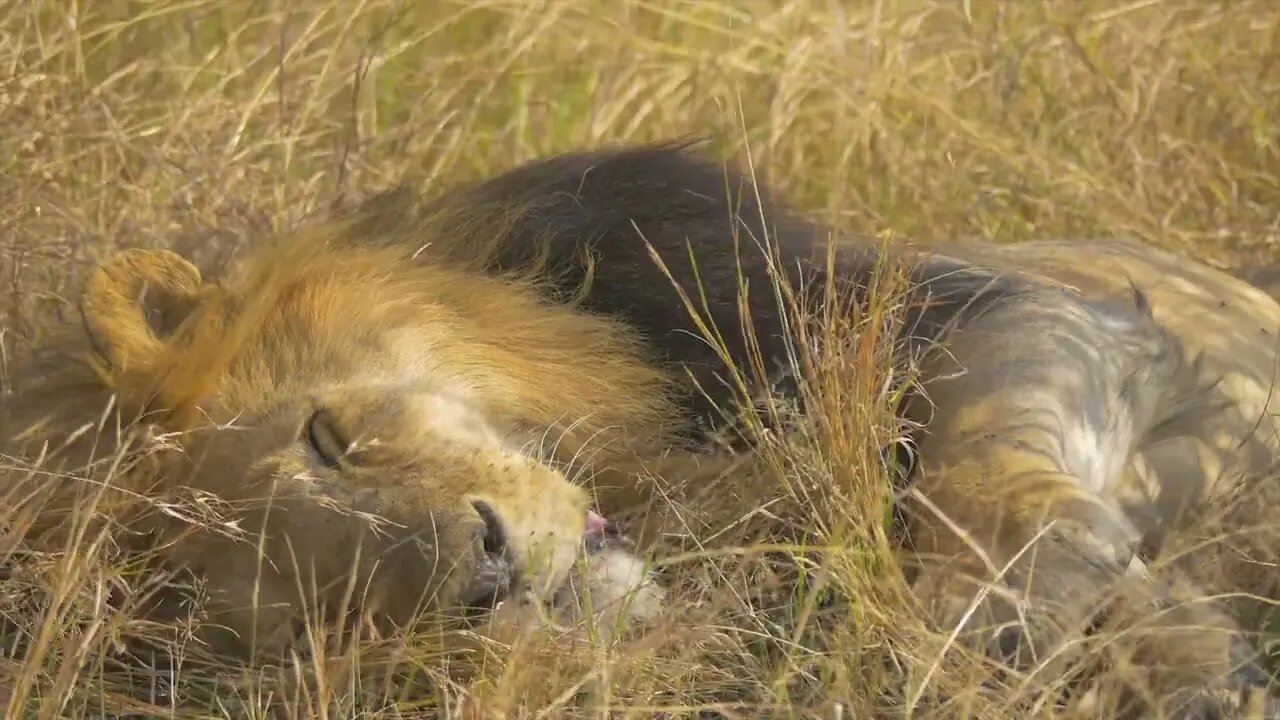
{"points": [[202, 125]]}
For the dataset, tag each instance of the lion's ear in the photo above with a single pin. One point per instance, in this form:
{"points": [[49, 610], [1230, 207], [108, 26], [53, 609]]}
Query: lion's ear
{"points": [[134, 301]]}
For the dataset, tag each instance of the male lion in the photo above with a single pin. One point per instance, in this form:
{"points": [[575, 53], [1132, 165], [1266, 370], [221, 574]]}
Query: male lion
{"points": [[362, 412], [1105, 386], [407, 360]]}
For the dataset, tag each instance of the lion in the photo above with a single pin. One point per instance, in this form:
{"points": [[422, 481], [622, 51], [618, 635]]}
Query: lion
{"points": [[456, 364], [368, 404], [1089, 395]]}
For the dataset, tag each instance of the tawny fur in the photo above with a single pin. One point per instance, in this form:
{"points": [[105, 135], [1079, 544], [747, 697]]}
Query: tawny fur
{"points": [[1060, 405], [449, 387]]}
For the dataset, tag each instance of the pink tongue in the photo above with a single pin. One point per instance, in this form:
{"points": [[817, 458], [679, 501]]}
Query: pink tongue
{"points": [[595, 522]]}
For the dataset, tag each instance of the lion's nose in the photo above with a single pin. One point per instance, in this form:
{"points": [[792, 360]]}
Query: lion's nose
{"points": [[494, 573], [495, 535]]}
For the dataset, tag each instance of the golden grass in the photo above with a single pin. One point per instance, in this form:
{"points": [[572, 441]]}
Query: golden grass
{"points": [[201, 124]]}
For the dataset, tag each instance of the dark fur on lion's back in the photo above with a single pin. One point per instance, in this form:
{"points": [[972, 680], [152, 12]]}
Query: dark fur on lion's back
{"points": [[585, 221], [587, 225]]}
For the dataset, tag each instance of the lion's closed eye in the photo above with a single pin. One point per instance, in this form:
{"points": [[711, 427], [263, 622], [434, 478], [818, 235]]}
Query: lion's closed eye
{"points": [[325, 439]]}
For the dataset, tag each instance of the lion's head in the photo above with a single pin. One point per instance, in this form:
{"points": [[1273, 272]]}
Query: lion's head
{"points": [[378, 419]]}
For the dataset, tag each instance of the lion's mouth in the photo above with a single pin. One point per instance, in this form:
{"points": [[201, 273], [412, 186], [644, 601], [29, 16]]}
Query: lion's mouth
{"points": [[497, 576], [599, 532]]}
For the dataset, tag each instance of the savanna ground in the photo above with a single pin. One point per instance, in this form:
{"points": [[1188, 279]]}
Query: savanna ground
{"points": [[202, 125]]}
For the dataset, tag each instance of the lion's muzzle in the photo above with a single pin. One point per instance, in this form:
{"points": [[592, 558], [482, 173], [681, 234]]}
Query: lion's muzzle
{"points": [[496, 572]]}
